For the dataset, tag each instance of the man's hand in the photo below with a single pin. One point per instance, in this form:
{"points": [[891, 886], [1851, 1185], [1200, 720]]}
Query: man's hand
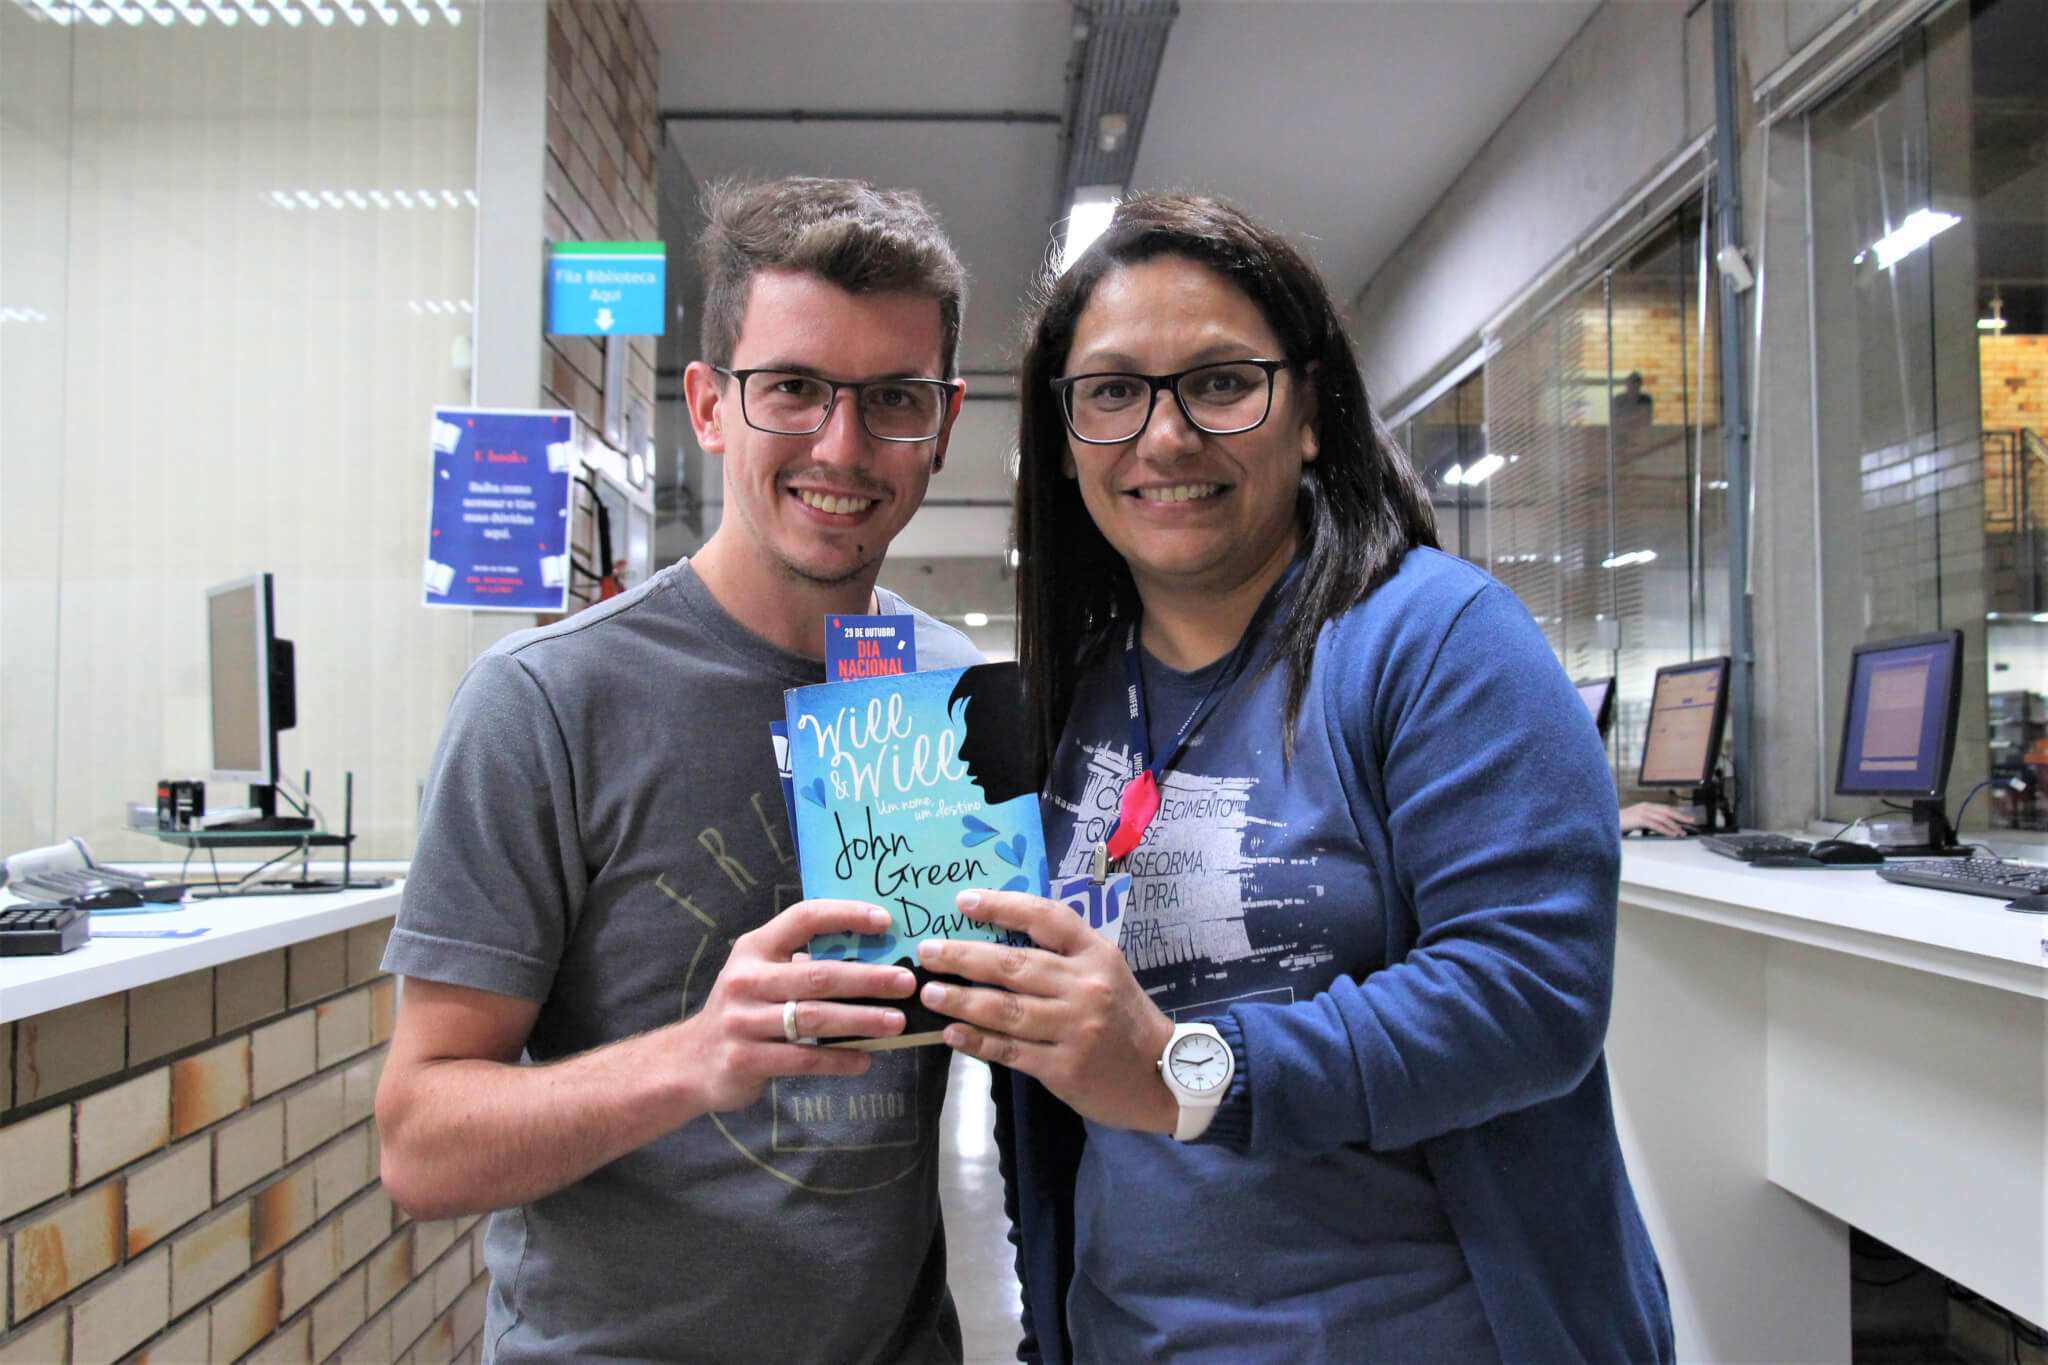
{"points": [[467, 1128], [737, 1044], [1070, 1013], [1655, 818]]}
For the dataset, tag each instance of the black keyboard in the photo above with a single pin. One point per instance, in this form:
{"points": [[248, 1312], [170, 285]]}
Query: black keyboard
{"points": [[1971, 876], [39, 929], [1748, 846]]}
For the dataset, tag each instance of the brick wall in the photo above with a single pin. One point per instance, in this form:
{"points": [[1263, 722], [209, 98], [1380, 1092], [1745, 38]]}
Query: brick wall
{"points": [[1655, 334], [604, 137], [2012, 382], [188, 1172], [2013, 376]]}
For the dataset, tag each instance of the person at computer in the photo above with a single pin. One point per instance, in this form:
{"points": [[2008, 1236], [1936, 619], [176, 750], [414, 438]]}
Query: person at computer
{"points": [[604, 978], [1654, 817], [1340, 1095]]}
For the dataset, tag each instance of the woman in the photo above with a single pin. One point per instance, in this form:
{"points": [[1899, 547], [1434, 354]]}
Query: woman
{"points": [[1375, 852]]}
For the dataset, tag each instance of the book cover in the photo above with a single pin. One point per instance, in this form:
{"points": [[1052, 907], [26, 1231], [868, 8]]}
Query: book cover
{"points": [[909, 789]]}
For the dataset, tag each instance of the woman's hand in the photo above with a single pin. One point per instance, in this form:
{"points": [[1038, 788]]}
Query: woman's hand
{"points": [[1070, 1013]]}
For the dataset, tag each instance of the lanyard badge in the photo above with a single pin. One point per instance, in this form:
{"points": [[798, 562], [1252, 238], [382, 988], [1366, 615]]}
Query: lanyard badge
{"points": [[1140, 799]]}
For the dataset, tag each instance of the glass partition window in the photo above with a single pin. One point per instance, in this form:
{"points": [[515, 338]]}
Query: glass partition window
{"points": [[1930, 270], [1445, 440], [1607, 511], [252, 284]]}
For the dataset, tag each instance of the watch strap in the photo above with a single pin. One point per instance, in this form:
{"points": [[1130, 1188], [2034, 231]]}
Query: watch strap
{"points": [[1230, 1122], [1196, 1111]]}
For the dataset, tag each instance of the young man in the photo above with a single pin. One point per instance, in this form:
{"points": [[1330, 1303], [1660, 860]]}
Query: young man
{"points": [[604, 880]]}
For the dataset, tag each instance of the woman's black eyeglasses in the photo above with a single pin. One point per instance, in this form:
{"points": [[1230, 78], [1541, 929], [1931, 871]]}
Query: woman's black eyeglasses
{"points": [[1109, 407]]}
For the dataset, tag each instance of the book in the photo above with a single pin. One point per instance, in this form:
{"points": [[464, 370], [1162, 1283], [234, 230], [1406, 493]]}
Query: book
{"points": [[908, 789]]}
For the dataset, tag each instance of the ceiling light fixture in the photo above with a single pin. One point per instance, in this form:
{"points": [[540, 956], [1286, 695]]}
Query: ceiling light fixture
{"points": [[975, 619], [367, 199], [1110, 130], [1920, 227], [1623, 561], [1996, 322], [1482, 469], [1087, 218]]}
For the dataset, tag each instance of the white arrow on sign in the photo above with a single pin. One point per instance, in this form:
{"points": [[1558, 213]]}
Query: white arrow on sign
{"points": [[604, 319]]}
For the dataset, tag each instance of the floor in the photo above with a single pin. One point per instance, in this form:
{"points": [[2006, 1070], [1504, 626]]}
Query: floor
{"points": [[980, 1265]]}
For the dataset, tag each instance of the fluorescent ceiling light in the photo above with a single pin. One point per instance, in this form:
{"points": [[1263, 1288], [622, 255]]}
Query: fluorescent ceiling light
{"points": [[1455, 475], [1996, 322], [1087, 217], [1482, 469], [1622, 561], [1920, 227], [2039, 616], [975, 619], [368, 199]]}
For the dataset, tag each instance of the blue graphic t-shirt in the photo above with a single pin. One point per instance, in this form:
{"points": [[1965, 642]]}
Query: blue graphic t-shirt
{"points": [[1251, 885]]}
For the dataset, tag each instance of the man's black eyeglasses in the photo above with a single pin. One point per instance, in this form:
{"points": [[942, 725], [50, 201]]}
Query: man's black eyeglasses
{"points": [[1108, 408], [789, 403]]}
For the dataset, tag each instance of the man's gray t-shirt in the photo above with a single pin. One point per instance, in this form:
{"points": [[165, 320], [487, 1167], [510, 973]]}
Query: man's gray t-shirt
{"points": [[603, 818]]}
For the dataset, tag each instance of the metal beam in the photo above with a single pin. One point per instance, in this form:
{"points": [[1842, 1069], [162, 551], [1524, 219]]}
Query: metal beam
{"points": [[1734, 417], [861, 116]]}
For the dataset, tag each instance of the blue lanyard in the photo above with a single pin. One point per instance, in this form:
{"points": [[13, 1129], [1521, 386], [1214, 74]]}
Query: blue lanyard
{"points": [[1140, 799]]}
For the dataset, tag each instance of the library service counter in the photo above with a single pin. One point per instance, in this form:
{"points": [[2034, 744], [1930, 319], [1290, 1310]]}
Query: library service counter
{"points": [[235, 927], [1795, 1051]]}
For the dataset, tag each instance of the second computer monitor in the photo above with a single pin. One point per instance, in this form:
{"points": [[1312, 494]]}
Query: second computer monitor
{"points": [[1688, 710], [1899, 724], [1598, 694]]}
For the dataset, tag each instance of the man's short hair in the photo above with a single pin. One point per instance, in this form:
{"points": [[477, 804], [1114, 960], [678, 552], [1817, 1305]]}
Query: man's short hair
{"points": [[846, 232]]}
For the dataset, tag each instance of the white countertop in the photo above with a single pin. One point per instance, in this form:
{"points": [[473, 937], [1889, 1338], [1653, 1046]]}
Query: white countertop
{"points": [[1848, 909], [236, 927]]}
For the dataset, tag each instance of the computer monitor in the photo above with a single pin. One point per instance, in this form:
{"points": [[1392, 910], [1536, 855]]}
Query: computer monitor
{"points": [[1688, 713], [1598, 694], [253, 686], [1899, 728]]}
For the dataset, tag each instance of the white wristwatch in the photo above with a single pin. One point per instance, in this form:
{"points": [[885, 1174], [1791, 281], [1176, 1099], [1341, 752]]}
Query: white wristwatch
{"points": [[1197, 1067]]}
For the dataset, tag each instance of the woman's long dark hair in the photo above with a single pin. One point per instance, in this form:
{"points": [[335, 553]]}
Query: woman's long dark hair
{"points": [[1360, 509]]}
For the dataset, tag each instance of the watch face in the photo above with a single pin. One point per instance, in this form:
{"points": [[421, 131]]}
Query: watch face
{"points": [[1199, 1062]]}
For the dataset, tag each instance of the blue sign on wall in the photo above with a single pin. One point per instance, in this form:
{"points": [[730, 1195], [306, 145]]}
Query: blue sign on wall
{"points": [[606, 288], [498, 524]]}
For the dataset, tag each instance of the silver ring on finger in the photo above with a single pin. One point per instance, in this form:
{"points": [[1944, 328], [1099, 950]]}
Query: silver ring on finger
{"points": [[789, 1033]]}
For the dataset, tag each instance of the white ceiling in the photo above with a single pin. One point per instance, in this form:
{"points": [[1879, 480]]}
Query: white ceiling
{"points": [[1339, 120]]}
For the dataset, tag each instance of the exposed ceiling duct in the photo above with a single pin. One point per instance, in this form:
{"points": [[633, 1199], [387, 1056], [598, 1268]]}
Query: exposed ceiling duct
{"points": [[1118, 47]]}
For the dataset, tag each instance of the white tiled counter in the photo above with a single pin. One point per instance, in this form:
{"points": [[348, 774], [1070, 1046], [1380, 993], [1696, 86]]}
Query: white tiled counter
{"points": [[188, 1158], [1794, 1052]]}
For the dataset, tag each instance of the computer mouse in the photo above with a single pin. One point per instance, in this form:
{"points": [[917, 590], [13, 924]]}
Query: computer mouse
{"points": [[2036, 904], [1836, 851]]}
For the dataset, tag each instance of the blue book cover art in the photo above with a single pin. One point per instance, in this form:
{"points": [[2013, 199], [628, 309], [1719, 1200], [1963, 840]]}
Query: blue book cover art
{"points": [[778, 735], [908, 790]]}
